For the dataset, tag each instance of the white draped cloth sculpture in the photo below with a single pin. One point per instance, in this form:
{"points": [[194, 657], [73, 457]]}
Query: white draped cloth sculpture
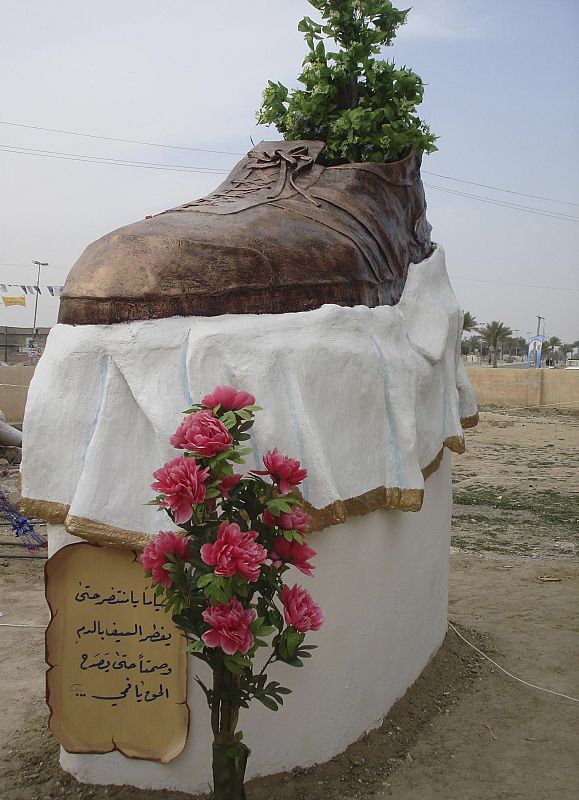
{"points": [[367, 398], [370, 400]]}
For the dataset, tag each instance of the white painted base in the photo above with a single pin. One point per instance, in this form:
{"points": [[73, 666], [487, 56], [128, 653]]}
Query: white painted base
{"points": [[382, 580]]}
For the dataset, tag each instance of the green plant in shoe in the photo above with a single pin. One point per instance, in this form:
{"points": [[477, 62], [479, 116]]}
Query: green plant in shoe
{"points": [[363, 107]]}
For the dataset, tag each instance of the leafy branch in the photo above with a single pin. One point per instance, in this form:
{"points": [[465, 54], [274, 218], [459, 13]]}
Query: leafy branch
{"points": [[363, 107]]}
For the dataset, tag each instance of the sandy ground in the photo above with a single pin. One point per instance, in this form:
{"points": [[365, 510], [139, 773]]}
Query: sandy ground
{"points": [[464, 731]]}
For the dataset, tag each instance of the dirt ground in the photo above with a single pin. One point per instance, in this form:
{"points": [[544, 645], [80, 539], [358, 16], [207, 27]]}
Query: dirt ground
{"points": [[464, 731]]}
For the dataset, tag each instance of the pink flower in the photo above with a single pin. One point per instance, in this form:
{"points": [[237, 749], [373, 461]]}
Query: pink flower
{"points": [[235, 552], [229, 627], [284, 552], [182, 482], [296, 520], [228, 483], [283, 470], [154, 556], [203, 433], [300, 610], [228, 398]]}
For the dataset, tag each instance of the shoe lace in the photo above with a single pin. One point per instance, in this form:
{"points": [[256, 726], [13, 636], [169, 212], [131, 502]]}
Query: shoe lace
{"points": [[291, 164]]}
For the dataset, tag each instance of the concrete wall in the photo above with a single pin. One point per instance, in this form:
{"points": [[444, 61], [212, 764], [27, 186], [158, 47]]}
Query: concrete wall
{"points": [[560, 387], [14, 382], [525, 387]]}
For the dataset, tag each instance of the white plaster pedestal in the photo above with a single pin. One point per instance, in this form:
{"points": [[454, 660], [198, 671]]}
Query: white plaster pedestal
{"points": [[382, 580], [367, 399]]}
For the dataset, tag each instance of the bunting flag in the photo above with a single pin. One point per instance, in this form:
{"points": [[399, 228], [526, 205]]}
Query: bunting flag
{"points": [[14, 301], [53, 291]]}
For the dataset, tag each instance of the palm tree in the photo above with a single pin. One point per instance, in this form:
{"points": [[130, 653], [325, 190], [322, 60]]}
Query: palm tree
{"points": [[567, 349], [493, 333], [468, 322], [551, 345]]}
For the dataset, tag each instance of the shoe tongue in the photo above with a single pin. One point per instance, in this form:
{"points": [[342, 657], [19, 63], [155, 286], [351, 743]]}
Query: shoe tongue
{"points": [[303, 147]]}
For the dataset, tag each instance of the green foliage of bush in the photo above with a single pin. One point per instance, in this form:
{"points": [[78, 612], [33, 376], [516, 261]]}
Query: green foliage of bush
{"points": [[363, 107]]}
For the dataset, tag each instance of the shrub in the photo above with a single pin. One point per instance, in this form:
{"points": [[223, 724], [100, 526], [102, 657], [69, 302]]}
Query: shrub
{"points": [[363, 107]]}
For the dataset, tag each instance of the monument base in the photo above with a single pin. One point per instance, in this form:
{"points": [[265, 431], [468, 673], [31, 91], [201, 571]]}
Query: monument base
{"points": [[382, 580]]}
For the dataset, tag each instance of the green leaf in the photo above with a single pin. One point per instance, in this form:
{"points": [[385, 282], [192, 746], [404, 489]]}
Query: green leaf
{"points": [[196, 647], [234, 668], [205, 580], [268, 702], [255, 626], [229, 420]]}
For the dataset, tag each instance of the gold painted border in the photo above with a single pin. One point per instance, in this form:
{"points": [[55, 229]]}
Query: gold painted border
{"points": [[55, 513], [469, 422], [382, 497], [101, 533]]}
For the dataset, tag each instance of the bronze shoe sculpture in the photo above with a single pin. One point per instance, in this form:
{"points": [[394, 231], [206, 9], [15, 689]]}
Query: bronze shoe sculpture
{"points": [[282, 233]]}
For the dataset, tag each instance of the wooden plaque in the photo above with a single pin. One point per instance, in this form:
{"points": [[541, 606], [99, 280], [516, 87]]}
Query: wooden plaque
{"points": [[117, 677]]}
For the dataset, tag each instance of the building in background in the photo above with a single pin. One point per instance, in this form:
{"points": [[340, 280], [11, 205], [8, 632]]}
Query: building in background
{"points": [[19, 346]]}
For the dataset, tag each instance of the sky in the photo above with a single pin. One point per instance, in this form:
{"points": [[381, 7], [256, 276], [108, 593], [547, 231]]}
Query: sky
{"points": [[502, 95]]}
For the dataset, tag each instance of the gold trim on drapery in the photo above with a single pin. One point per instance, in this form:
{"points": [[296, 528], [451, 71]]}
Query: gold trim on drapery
{"points": [[382, 497]]}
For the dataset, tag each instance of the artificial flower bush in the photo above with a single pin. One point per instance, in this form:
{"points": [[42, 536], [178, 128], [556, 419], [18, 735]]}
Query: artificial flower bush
{"points": [[223, 576]]}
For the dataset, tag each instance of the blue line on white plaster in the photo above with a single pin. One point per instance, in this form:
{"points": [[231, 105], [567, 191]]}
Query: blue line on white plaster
{"points": [[297, 429], [392, 432], [185, 372]]}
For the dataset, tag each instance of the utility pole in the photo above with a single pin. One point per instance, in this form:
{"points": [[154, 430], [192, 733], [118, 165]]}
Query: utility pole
{"points": [[539, 325], [39, 264]]}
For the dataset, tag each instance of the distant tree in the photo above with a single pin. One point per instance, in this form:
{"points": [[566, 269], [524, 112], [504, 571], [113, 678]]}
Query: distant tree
{"points": [[520, 345], [469, 322], [493, 333], [551, 346]]}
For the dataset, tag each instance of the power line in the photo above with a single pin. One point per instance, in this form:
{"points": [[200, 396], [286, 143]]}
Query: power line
{"points": [[124, 141], [498, 189], [523, 285], [215, 171], [542, 212], [29, 151], [233, 153]]}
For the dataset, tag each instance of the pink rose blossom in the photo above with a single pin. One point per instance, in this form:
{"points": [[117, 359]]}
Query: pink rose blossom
{"points": [[182, 482], [235, 553], [284, 552], [283, 469], [228, 483], [154, 556], [228, 398], [229, 627], [296, 520], [203, 433], [300, 610]]}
